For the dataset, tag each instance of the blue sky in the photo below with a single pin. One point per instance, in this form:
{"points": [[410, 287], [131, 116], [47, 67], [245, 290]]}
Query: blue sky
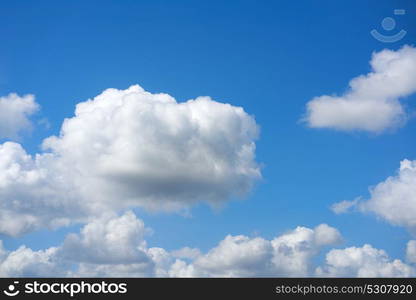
{"points": [[270, 57]]}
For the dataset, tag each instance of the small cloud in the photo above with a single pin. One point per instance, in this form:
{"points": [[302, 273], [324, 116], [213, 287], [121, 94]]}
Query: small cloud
{"points": [[344, 206], [372, 102], [137, 148]]}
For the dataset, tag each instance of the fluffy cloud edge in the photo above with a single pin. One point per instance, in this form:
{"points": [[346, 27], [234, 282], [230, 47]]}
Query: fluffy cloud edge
{"points": [[15, 113], [393, 200]]}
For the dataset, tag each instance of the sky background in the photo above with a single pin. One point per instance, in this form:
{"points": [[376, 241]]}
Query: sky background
{"points": [[270, 57]]}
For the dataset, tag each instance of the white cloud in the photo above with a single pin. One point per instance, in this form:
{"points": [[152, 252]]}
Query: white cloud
{"points": [[394, 199], [109, 246], [108, 240], [25, 262], [372, 101], [326, 235], [14, 114], [411, 252], [235, 256], [240, 256], [147, 149], [363, 262], [128, 148], [114, 246], [344, 206], [293, 251], [34, 192]]}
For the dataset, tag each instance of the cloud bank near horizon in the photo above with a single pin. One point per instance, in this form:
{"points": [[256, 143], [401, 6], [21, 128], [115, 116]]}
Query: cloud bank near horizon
{"points": [[116, 246]]}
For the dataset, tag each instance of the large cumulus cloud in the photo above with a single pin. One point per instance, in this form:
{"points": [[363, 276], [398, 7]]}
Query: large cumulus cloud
{"points": [[129, 148]]}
